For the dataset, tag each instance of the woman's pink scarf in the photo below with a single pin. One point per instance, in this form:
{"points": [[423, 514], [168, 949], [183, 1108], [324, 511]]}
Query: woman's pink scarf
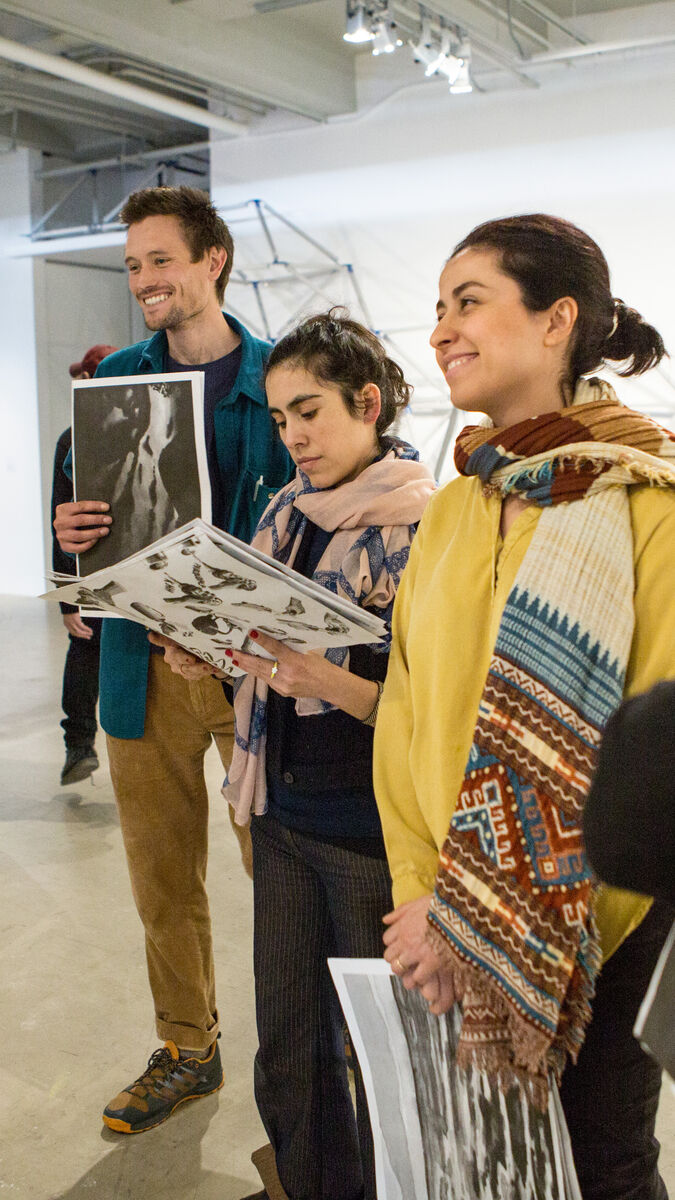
{"points": [[373, 518]]}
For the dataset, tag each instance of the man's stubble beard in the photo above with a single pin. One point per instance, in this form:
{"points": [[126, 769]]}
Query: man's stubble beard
{"points": [[174, 319], [171, 321]]}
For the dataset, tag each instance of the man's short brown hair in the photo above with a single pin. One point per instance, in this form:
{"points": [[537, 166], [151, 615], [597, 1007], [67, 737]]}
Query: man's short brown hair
{"points": [[199, 220]]}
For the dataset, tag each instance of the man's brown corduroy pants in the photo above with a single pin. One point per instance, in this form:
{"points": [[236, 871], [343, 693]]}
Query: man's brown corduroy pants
{"points": [[163, 806]]}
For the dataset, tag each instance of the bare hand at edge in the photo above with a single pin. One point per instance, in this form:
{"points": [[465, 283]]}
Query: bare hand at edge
{"points": [[181, 661], [79, 524], [76, 626]]}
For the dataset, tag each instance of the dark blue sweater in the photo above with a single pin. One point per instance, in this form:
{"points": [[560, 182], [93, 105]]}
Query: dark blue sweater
{"points": [[319, 768]]}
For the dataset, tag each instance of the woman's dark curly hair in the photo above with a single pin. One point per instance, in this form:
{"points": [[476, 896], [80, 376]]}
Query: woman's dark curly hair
{"points": [[344, 353]]}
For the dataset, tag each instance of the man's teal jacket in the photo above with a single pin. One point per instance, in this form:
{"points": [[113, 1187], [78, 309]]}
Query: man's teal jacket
{"points": [[253, 465]]}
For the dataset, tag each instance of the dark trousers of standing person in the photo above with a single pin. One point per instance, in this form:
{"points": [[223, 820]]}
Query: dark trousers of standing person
{"points": [[80, 688], [611, 1096], [313, 899]]}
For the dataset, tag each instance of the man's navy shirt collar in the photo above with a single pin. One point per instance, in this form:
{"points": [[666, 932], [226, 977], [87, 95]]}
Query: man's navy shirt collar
{"points": [[249, 379]]}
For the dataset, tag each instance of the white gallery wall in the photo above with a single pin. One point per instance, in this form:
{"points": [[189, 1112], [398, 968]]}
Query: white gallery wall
{"points": [[392, 191], [50, 314]]}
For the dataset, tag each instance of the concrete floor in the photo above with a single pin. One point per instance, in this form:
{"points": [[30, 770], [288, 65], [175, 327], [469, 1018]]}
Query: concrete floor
{"points": [[74, 1003]]}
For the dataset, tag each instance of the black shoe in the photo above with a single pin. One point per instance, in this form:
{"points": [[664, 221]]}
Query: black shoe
{"points": [[79, 764], [166, 1083]]}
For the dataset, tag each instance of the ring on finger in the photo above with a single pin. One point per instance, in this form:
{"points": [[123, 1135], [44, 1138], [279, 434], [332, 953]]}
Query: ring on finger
{"points": [[275, 668], [401, 968]]}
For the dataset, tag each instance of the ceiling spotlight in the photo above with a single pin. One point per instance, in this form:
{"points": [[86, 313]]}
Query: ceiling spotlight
{"points": [[462, 80], [358, 25], [440, 60], [424, 50], [425, 54], [385, 40]]}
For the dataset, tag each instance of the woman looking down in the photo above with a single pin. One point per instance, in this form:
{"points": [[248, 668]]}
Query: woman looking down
{"points": [[304, 728]]}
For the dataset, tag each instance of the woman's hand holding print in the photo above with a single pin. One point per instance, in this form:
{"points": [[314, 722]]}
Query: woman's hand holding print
{"points": [[307, 675], [296, 674], [413, 958]]}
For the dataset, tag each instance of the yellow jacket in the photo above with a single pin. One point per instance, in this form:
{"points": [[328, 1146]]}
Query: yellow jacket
{"points": [[445, 624]]}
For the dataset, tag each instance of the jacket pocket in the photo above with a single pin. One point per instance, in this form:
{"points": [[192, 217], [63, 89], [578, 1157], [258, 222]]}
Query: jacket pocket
{"points": [[253, 495]]}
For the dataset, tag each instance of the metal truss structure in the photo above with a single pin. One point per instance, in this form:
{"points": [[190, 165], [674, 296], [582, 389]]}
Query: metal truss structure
{"points": [[288, 274], [94, 184]]}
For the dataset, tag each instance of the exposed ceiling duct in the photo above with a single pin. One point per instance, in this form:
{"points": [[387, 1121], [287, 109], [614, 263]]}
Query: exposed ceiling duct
{"points": [[64, 68], [603, 48]]}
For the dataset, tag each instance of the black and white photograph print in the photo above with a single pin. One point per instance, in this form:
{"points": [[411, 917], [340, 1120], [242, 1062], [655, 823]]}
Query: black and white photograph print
{"points": [[138, 444], [442, 1133]]}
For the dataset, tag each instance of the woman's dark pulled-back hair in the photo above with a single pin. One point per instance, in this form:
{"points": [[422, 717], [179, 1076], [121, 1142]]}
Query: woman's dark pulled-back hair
{"points": [[202, 226], [549, 258], [344, 353]]}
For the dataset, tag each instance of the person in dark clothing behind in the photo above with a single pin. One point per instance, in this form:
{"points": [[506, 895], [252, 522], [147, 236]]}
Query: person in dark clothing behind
{"points": [[629, 836], [629, 818], [80, 673]]}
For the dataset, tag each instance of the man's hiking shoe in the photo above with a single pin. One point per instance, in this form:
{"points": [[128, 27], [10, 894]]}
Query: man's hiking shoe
{"points": [[166, 1083]]}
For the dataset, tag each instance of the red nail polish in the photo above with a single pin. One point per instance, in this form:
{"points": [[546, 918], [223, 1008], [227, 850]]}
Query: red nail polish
{"points": [[228, 654], [254, 633], [235, 663]]}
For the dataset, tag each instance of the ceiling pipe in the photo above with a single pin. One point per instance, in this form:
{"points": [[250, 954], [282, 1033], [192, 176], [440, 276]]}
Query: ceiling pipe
{"points": [[649, 43], [551, 19], [124, 160], [64, 68]]}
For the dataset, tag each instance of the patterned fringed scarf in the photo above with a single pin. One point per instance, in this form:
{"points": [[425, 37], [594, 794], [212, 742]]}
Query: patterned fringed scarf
{"points": [[374, 518], [512, 909]]}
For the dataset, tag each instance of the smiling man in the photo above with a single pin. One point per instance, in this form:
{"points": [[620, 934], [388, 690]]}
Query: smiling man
{"points": [[158, 725]]}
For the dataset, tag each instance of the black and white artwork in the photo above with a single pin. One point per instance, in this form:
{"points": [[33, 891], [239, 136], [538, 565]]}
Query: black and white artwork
{"points": [[442, 1133], [153, 614], [96, 598], [207, 591], [138, 443]]}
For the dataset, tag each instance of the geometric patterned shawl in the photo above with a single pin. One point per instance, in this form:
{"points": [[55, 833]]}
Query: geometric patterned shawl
{"points": [[373, 519], [512, 910]]}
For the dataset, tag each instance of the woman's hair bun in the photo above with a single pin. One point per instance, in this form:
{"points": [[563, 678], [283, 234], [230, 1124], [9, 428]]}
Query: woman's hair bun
{"points": [[632, 341]]}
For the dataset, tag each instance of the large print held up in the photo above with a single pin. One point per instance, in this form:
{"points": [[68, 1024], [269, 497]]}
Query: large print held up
{"points": [[138, 444]]}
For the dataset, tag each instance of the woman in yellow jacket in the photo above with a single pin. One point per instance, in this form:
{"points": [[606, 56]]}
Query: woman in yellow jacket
{"points": [[540, 591]]}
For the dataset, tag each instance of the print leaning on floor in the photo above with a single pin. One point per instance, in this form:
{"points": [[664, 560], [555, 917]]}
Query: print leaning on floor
{"points": [[553, 552]]}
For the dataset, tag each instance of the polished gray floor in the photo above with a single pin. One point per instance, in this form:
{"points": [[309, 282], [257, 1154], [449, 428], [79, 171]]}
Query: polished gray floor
{"points": [[74, 1005]]}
